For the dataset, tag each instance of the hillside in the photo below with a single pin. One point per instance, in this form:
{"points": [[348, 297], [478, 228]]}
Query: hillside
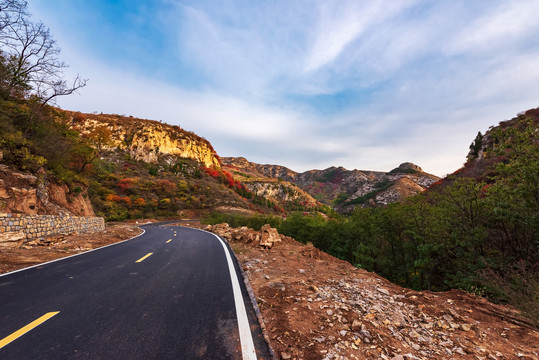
{"points": [[283, 193], [62, 162], [499, 146], [345, 189], [144, 168]]}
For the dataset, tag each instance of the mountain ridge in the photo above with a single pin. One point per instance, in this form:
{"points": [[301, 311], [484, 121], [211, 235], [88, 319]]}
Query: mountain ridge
{"points": [[343, 188]]}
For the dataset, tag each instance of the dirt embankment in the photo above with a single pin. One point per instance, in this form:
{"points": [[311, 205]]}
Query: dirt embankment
{"points": [[315, 306]]}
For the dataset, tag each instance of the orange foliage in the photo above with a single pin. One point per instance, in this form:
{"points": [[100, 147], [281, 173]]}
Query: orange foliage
{"points": [[167, 186], [113, 198], [118, 199]]}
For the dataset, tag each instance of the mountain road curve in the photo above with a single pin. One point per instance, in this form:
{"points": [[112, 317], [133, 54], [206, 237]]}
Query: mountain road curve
{"points": [[170, 293]]}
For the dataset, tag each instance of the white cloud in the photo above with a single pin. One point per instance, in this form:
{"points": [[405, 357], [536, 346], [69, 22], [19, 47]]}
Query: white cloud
{"points": [[501, 28]]}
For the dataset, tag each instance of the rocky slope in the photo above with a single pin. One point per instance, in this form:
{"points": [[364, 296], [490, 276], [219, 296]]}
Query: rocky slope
{"points": [[344, 189], [144, 139], [315, 306], [37, 194], [283, 193]]}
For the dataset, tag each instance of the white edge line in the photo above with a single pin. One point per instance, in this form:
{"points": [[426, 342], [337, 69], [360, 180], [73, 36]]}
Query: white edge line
{"points": [[246, 337], [70, 256]]}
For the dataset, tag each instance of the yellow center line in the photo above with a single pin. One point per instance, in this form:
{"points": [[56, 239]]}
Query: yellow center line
{"points": [[27, 328], [169, 240], [144, 257]]}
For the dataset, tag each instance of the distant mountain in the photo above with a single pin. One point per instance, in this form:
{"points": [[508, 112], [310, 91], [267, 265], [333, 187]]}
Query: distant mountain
{"points": [[345, 189]]}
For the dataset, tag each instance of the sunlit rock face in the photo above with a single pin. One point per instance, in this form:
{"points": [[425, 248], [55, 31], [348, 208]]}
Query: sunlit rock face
{"points": [[143, 139]]}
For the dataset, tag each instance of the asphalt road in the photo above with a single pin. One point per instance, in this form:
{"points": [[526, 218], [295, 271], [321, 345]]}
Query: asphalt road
{"points": [[167, 294]]}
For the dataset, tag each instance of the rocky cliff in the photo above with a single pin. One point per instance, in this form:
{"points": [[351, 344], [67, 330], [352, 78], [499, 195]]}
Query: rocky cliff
{"points": [[37, 194], [281, 192], [345, 189], [144, 139]]}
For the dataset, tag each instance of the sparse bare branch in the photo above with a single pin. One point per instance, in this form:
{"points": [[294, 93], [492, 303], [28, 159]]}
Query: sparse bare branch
{"points": [[30, 57]]}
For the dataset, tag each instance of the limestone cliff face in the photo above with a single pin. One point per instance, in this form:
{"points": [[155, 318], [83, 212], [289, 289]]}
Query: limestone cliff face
{"points": [[143, 139], [32, 195]]}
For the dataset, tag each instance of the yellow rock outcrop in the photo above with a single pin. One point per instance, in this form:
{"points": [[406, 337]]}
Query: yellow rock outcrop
{"points": [[145, 140]]}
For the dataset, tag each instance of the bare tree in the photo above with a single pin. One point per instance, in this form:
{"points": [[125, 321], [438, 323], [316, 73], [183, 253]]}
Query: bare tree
{"points": [[12, 11], [31, 57]]}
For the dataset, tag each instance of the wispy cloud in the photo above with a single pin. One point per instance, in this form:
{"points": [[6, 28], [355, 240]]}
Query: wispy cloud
{"points": [[504, 27], [340, 24]]}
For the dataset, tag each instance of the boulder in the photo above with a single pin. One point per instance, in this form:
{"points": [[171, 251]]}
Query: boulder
{"points": [[269, 237], [222, 230], [12, 239]]}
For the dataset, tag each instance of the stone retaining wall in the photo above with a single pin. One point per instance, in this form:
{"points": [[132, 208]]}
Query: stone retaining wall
{"points": [[15, 229]]}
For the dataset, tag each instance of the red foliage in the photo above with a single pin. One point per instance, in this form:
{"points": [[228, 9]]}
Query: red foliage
{"points": [[126, 184], [229, 179], [211, 172], [223, 176], [140, 202]]}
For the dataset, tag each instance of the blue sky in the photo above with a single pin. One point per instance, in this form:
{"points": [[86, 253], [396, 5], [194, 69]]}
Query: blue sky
{"points": [[307, 84]]}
